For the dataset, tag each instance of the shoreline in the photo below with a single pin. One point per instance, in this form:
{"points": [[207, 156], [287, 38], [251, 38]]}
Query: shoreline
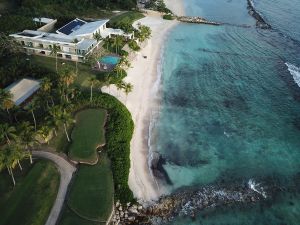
{"points": [[144, 74]]}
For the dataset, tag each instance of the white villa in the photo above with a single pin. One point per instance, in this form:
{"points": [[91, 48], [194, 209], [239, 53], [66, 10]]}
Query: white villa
{"points": [[75, 39]]}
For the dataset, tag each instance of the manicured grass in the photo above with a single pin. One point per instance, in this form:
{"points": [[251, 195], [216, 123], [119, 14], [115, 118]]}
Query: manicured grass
{"points": [[127, 17], [84, 71], [30, 202], [70, 218], [87, 135], [91, 194]]}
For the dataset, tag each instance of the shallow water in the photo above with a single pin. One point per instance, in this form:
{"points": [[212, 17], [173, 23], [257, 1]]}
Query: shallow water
{"points": [[231, 106]]}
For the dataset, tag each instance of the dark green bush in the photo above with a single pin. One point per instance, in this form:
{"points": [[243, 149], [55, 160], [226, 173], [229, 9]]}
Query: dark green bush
{"points": [[168, 17], [133, 45]]}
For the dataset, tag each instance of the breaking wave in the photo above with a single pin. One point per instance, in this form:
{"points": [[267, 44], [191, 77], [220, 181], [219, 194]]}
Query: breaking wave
{"points": [[295, 71]]}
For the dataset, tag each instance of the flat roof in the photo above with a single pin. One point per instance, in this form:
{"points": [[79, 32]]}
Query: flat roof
{"points": [[43, 20], [44, 36], [23, 89], [88, 28], [71, 26], [57, 38], [86, 43]]}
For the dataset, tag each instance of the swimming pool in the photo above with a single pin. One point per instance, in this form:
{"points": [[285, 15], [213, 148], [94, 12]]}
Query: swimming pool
{"points": [[109, 59]]}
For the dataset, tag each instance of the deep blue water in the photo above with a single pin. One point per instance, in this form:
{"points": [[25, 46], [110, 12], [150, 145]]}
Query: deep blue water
{"points": [[231, 106]]}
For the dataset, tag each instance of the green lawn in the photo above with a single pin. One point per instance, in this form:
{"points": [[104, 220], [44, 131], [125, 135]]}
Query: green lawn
{"points": [[127, 17], [30, 202], [91, 194], [84, 71], [87, 135]]}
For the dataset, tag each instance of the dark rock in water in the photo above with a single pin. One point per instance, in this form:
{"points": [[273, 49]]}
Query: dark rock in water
{"points": [[157, 168], [260, 22]]}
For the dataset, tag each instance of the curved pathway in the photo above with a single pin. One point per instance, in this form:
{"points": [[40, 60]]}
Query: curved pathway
{"points": [[66, 171]]}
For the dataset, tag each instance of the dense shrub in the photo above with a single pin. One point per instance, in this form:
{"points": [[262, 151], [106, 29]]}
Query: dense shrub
{"points": [[158, 5], [133, 45], [168, 17]]}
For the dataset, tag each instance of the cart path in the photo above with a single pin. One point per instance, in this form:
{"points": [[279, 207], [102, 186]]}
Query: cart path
{"points": [[66, 171]]}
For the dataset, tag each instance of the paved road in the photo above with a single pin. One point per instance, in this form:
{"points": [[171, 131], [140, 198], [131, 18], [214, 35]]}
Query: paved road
{"points": [[66, 172]]}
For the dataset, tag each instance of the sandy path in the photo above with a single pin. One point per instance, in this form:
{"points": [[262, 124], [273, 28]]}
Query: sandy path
{"points": [[66, 171]]}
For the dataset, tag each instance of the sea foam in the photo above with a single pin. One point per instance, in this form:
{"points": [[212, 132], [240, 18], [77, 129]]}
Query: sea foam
{"points": [[295, 71]]}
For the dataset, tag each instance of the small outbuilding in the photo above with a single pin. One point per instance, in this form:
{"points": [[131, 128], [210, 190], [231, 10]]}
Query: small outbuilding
{"points": [[23, 90]]}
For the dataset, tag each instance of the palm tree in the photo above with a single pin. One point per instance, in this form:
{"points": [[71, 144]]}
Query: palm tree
{"points": [[119, 85], [124, 63], [93, 81], [6, 100], [118, 40], [67, 77], [54, 50], [27, 137], [52, 122], [107, 81], [61, 117], [11, 155], [66, 118], [128, 88], [118, 69], [97, 36], [7, 132], [46, 86], [31, 107], [44, 131]]}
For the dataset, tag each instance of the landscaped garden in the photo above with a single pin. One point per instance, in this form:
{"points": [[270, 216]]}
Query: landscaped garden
{"points": [[91, 194], [87, 135], [31, 200]]}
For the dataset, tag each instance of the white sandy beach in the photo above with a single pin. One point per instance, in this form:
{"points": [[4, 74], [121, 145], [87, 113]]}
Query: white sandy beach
{"points": [[143, 74], [176, 6]]}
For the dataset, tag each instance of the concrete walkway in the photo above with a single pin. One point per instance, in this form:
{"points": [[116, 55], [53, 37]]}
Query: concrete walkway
{"points": [[66, 171]]}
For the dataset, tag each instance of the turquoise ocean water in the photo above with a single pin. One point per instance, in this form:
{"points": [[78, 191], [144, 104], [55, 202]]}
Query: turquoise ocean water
{"points": [[230, 107]]}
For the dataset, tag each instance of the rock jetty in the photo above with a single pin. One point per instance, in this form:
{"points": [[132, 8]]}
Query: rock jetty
{"points": [[189, 202], [196, 19], [260, 22]]}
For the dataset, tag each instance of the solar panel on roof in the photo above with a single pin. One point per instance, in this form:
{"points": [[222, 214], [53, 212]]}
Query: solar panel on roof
{"points": [[70, 27]]}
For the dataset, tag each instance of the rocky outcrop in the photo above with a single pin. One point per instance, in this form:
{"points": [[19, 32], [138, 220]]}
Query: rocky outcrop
{"points": [[260, 22], [189, 202], [196, 19]]}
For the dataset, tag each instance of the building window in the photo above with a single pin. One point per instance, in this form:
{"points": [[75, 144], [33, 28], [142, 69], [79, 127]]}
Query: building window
{"points": [[68, 56], [41, 46], [59, 55], [22, 42]]}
